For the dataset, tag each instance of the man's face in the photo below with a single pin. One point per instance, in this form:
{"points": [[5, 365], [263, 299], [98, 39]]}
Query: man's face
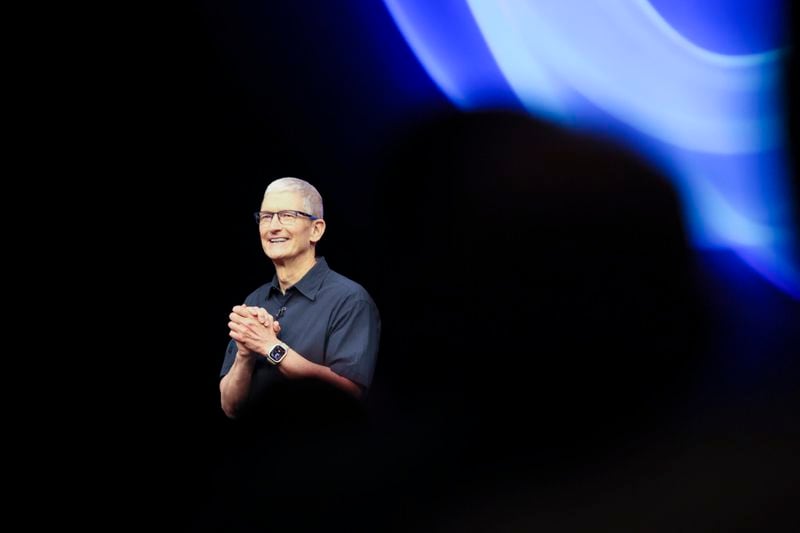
{"points": [[282, 242]]}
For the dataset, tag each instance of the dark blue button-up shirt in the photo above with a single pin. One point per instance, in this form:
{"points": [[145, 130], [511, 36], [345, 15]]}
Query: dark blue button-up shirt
{"points": [[325, 317]]}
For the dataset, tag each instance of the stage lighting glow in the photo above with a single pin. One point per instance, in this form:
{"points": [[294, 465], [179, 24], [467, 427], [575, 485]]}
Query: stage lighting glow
{"points": [[715, 120]]}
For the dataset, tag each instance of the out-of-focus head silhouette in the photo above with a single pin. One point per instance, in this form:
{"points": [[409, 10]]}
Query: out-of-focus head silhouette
{"points": [[534, 277]]}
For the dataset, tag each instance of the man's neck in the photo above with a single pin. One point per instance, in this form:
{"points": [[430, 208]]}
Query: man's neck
{"points": [[291, 271]]}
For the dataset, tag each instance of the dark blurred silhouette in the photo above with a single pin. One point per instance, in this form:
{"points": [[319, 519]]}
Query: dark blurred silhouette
{"points": [[543, 312], [534, 268]]}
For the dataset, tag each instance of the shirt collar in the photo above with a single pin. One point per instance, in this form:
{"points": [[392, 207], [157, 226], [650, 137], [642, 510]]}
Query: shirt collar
{"points": [[309, 284]]}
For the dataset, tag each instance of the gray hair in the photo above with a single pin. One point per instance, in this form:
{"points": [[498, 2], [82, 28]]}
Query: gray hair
{"points": [[312, 200]]}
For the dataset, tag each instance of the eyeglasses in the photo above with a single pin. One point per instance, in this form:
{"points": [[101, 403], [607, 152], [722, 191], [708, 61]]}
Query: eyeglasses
{"points": [[286, 218]]}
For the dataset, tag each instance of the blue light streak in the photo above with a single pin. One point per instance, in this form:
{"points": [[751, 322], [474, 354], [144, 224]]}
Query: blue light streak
{"points": [[715, 119]]}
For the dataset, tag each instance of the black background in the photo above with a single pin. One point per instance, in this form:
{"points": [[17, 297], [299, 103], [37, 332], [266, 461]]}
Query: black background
{"points": [[234, 95]]}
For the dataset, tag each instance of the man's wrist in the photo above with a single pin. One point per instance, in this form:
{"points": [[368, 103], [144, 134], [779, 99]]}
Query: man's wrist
{"points": [[245, 357], [277, 352]]}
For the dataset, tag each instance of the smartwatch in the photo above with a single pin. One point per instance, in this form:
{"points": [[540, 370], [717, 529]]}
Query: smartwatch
{"points": [[276, 354]]}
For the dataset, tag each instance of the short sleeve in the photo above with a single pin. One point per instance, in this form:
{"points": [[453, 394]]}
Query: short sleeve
{"points": [[352, 348], [230, 356]]}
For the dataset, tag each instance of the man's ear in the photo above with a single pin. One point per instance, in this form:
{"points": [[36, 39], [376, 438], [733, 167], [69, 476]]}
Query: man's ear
{"points": [[317, 230]]}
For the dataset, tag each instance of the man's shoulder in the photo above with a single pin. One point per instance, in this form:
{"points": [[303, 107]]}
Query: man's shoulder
{"points": [[345, 287]]}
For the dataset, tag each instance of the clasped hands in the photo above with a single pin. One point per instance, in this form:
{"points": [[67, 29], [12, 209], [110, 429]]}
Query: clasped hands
{"points": [[253, 329]]}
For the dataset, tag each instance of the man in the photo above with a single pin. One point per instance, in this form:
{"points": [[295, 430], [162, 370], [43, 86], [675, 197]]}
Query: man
{"points": [[329, 325]]}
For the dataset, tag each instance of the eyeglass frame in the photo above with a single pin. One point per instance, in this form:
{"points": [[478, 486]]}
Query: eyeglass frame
{"points": [[257, 215]]}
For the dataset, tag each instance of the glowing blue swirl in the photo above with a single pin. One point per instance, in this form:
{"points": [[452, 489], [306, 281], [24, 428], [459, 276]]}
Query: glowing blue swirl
{"points": [[623, 57], [714, 120]]}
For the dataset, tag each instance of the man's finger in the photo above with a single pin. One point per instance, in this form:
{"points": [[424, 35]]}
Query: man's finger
{"points": [[242, 310], [243, 320], [263, 316]]}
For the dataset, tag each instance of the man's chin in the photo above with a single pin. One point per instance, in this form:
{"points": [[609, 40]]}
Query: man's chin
{"points": [[276, 256]]}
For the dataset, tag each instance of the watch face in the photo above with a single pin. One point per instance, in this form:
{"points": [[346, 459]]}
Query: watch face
{"points": [[277, 353]]}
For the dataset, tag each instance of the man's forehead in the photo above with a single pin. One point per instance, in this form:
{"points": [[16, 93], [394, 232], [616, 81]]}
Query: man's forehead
{"points": [[283, 200]]}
